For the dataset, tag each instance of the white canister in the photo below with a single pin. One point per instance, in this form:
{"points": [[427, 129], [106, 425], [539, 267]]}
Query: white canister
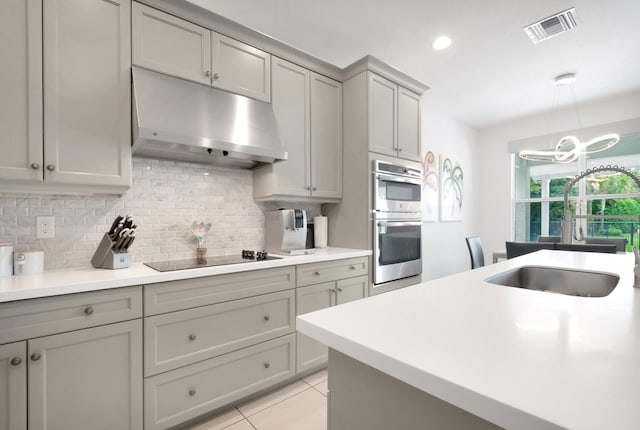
{"points": [[320, 231], [28, 262], [6, 259]]}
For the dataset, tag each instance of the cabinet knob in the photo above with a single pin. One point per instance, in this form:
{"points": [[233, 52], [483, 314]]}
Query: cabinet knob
{"points": [[192, 337], [316, 273], [88, 310], [192, 392], [216, 76], [352, 267], [207, 73], [267, 317], [399, 149], [267, 365], [15, 361], [51, 167], [339, 289], [35, 356], [35, 166], [307, 188], [314, 188]]}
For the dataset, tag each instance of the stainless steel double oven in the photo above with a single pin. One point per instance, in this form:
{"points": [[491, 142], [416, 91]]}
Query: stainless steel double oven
{"points": [[397, 221]]}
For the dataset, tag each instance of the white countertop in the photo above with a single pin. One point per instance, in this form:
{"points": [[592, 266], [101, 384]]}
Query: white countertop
{"points": [[56, 282], [521, 359]]}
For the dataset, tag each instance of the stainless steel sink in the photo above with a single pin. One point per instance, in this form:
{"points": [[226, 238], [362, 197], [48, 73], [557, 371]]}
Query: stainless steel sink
{"points": [[561, 281]]}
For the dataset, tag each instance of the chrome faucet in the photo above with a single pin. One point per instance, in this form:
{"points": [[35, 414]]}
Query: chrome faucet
{"points": [[636, 269]]}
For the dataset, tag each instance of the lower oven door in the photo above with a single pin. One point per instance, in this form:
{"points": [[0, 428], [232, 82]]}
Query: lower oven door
{"points": [[397, 249]]}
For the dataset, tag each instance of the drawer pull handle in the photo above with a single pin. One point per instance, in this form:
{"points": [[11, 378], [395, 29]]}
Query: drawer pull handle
{"points": [[192, 337], [267, 317], [15, 361], [88, 310], [35, 356], [316, 273], [267, 365], [192, 392]]}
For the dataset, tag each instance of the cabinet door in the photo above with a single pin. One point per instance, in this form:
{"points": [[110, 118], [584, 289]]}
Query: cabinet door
{"points": [[13, 386], [170, 45], [408, 124], [383, 108], [291, 108], [87, 106], [240, 68], [310, 352], [326, 137], [351, 289], [21, 90], [87, 379]]}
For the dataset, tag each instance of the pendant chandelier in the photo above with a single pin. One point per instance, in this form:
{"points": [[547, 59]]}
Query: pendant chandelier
{"points": [[568, 148]]}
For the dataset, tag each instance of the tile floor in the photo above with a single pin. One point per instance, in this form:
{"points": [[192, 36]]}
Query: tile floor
{"points": [[299, 405]]}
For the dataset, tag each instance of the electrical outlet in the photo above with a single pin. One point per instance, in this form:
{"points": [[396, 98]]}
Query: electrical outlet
{"points": [[45, 227]]}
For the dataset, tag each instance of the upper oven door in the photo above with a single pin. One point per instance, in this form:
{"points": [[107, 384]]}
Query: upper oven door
{"points": [[394, 193]]}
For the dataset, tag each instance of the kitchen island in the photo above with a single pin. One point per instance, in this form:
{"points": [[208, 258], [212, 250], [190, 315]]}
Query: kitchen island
{"points": [[458, 352]]}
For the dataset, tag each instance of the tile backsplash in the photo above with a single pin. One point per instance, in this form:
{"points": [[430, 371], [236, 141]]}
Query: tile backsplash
{"points": [[166, 197]]}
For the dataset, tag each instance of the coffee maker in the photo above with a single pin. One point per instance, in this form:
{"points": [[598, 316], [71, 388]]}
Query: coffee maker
{"points": [[286, 232]]}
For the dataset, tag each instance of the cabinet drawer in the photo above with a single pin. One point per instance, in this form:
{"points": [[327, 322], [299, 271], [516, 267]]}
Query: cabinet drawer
{"points": [[39, 317], [315, 273], [178, 395], [180, 338], [190, 293]]}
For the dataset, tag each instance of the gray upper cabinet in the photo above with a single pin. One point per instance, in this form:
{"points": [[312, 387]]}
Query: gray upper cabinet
{"points": [[308, 108], [80, 49], [21, 89], [240, 68], [171, 45], [13, 386], [87, 101], [394, 119]]}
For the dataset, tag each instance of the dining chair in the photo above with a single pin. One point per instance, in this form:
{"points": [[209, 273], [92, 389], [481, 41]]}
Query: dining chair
{"points": [[475, 251], [619, 242]]}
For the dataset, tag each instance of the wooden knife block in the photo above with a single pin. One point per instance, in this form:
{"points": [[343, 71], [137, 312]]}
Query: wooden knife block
{"points": [[105, 258]]}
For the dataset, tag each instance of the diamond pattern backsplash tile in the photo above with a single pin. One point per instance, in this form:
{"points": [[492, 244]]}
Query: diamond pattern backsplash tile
{"points": [[166, 197]]}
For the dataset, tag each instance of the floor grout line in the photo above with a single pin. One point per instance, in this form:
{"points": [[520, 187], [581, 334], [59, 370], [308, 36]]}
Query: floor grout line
{"points": [[277, 403]]}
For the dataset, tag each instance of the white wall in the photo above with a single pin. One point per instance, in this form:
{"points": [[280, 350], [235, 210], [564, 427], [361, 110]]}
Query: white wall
{"points": [[493, 163], [444, 248]]}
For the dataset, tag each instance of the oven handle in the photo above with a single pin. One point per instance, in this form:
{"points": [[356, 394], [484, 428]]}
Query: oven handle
{"points": [[399, 223], [394, 178]]}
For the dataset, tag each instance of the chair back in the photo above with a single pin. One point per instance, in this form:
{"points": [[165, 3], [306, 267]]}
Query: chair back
{"points": [[516, 249], [552, 239], [475, 251], [586, 247], [619, 242]]}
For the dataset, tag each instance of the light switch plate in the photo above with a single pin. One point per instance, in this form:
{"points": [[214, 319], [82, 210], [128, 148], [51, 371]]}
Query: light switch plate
{"points": [[45, 227]]}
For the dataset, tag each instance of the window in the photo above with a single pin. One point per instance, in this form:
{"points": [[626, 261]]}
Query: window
{"points": [[539, 195]]}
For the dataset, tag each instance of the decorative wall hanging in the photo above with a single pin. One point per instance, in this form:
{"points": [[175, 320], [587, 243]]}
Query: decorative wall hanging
{"points": [[430, 186], [451, 189]]}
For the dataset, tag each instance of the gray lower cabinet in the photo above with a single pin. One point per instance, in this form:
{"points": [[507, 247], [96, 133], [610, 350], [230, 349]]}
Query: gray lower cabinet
{"points": [[13, 386], [87, 379], [72, 362], [321, 285], [185, 393]]}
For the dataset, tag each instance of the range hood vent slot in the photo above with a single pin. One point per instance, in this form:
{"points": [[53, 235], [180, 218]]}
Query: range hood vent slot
{"points": [[552, 26], [181, 120]]}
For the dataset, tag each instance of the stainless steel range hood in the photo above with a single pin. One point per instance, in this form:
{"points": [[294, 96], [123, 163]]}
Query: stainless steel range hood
{"points": [[181, 120]]}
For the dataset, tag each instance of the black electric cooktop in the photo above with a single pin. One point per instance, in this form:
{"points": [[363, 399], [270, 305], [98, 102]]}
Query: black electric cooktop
{"points": [[194, 263]]}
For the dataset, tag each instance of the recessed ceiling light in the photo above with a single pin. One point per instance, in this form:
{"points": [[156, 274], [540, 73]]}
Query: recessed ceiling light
{"points": [[442, 42]]}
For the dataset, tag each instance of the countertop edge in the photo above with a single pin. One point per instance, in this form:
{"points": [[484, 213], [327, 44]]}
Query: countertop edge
{"points": [[59, 282]]}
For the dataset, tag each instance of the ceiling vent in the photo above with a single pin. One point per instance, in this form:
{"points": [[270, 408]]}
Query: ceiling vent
{"points": [[552, 26]]}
